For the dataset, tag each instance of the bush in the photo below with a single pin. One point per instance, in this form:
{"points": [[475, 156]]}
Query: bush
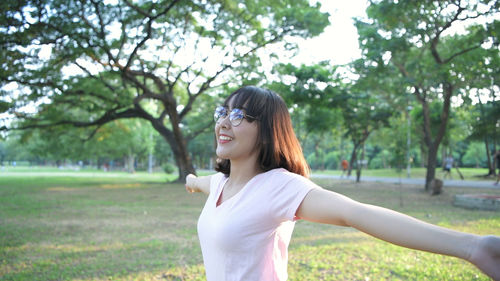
{"points": [[168, 168], [332, 160]]}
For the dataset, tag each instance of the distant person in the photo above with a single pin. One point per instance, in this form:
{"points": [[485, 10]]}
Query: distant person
{"points": [[448, 165], [262, 188], [345, 168], [497, 159]]}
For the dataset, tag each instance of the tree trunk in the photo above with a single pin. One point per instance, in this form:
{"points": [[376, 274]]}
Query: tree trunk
{"points": [[352, 160], [184, 162], [431, 165], [491, 164], [423, 154], [433, 145], [178, 144], [359, 167], [130, 160]]}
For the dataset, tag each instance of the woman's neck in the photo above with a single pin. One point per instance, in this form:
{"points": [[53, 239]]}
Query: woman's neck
{"points": [[243, 171]]}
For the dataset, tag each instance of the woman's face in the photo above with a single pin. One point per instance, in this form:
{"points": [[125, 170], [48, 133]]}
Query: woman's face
{"points": [[236, 142]]}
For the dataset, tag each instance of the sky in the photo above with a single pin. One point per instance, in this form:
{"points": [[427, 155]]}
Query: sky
{"points": [[339, 42]]}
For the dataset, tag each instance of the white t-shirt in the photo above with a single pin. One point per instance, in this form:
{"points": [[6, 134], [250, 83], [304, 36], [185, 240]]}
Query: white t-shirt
{"points": [[246, 237]]}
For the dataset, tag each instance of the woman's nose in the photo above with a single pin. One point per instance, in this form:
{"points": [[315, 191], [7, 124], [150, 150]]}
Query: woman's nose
{"points": [[225, 122]]}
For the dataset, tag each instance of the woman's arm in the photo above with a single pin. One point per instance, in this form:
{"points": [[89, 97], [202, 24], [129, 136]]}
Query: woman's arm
{"points": [[329, 207], [198, 184]]}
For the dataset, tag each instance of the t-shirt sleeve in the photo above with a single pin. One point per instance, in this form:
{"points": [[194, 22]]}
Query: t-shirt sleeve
{"points": [[215, 180], [288, 195]]}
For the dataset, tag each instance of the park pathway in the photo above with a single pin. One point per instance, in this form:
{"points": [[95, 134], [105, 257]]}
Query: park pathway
{"points": [[421, 181]]}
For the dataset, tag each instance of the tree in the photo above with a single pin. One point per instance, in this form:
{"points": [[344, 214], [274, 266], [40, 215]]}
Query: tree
{"points": [[363, 114], [485, 129], [327, 97], [3, 151], [122, 140], [52, 145], [87, 63], [475, 155], [308, 90], [413, 37], [483, 78]]}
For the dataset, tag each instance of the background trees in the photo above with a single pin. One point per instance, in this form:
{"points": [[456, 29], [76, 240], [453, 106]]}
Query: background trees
{"points": [[416, 37], [87, 63], [428, 74]]}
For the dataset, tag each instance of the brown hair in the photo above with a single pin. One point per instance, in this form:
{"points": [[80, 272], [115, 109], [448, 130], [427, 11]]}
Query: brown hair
{"points": [[279, 147]]}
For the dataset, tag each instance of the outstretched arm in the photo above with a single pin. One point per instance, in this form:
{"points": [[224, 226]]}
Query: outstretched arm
{"points": [[329, 207], [198, 184]]}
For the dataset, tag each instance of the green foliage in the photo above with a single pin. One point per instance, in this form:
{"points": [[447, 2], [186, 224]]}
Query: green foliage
{"points": [[4, 106], [435, 64], [88, 63], [168, 168], [330, 101], [486, 122], [395, 140], [116, 140], [475, 156]]}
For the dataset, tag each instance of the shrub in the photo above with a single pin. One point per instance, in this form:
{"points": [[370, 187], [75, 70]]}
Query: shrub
{"points": [[168, 168]]}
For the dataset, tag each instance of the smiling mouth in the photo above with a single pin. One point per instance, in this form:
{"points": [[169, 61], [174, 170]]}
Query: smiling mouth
{"points": [[225, 138]]}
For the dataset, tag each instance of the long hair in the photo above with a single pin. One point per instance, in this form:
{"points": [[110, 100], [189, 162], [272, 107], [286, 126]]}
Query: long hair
{"points": [[278, 145]]}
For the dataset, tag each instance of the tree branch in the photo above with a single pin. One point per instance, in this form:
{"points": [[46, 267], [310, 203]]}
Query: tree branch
{"points": [[148, 30], [105, 118], [205, 85], [435, 40], [461, 53], [199, 131]]}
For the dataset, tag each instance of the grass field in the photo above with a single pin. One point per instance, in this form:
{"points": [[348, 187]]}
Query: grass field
{"points": [[115, 226]]}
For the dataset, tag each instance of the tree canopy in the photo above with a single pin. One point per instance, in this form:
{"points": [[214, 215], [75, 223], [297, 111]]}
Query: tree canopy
{"points": [[86, 63], [417, 38]]}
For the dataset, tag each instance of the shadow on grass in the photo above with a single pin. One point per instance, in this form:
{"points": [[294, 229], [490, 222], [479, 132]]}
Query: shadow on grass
{"points": [[94, 262]]}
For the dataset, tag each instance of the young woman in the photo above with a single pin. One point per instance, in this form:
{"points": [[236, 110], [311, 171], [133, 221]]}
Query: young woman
{"points": [[262, 187]]}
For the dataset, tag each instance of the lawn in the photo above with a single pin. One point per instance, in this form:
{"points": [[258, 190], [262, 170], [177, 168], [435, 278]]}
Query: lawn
{"points": [[114, 226]]}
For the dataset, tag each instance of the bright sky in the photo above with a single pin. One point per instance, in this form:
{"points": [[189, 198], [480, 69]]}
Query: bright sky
{"points": [[339, 42]]}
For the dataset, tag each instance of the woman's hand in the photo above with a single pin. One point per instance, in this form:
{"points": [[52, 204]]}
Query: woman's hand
{"points": [[486, 255], [191, 184], [197, 184]]}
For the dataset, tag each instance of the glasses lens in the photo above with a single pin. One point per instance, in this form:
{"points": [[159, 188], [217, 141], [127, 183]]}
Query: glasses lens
{"points": [[220, 111], [236, 116]]}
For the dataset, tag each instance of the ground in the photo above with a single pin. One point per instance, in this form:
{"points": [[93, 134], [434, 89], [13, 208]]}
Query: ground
{"points": [[137, 227]]}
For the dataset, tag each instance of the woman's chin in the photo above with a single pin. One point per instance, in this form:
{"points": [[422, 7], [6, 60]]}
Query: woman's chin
{"points": [[222, 155]]}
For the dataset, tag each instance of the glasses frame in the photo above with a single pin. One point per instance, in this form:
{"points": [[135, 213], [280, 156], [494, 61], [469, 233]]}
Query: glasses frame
{"points": [[236, 115]]}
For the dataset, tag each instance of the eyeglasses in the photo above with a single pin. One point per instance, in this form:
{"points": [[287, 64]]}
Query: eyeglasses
{"points": [[235, 116]]}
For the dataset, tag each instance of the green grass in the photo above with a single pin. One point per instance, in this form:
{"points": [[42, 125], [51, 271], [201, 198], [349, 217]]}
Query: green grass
{"points": [[117, 226]]}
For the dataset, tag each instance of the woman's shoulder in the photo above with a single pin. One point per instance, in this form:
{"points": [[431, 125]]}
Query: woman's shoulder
{"points": [[279, 172], [282, 175], [215, 179]]}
